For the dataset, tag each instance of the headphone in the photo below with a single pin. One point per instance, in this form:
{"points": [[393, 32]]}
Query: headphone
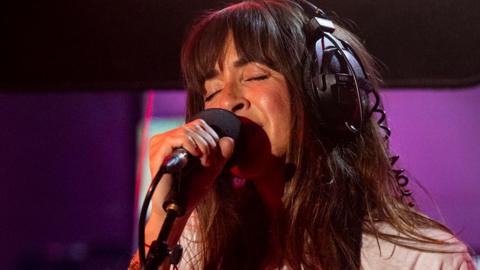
{"points": [[341, 87], [336, 77]]}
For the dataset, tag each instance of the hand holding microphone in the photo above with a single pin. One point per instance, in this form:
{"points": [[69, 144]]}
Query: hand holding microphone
{"points": [[202, 146]]}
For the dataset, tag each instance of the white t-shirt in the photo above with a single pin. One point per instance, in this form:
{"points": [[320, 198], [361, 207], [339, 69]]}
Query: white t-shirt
{"points": [[375, 255], [386, 255]]}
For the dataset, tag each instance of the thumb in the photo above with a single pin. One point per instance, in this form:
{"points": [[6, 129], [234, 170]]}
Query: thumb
{"points": [[227, 145], [225, 151]]}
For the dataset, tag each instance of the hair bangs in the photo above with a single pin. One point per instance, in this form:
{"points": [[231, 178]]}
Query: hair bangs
{"points": [[254, 33], [253, 30], [202, 51]]}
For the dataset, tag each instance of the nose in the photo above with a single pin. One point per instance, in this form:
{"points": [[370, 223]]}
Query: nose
{"points": [[233, 99]]}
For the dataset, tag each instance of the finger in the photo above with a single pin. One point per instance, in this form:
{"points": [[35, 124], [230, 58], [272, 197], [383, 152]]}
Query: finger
{"points": [[190, 143], [163, 146], [224, 152], [184, 140], [209, 129], [202, 145], [226, 145], [212, 141]]}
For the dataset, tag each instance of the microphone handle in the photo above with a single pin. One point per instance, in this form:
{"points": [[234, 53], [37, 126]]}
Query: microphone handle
{"points": [[176, 161]]}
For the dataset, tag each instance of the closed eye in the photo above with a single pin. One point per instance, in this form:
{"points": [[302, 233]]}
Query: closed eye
{"points": [[257, 78], [209, 97]]}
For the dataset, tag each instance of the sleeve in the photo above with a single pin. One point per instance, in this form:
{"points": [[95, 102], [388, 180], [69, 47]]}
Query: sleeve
{"points": [[446, 261], [467, 264], [381, 254]]}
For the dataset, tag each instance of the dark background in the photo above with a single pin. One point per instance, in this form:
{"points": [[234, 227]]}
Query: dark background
{"points": [[133, 44]]}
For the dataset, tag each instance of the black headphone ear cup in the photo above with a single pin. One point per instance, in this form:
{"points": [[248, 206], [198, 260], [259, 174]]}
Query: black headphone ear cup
{"points": [[334, 89], [314, 86], [338, 85], [362, 82], [342, 91]]}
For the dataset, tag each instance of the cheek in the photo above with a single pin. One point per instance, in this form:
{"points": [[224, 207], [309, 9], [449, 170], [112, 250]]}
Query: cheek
{"points": [[276, 108]]}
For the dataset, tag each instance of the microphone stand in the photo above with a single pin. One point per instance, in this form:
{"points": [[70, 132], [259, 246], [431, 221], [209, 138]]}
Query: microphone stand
{"points": [[174, 208], [159, 248]]}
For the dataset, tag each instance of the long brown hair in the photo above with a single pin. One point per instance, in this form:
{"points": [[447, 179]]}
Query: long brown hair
{"points": [[339, 191]]}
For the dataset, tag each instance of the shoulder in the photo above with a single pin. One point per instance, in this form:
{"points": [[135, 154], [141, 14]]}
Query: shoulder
{"points": [[381, 254]]}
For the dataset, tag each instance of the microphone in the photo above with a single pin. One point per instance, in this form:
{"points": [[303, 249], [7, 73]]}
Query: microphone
{"points": [[225, 124]]}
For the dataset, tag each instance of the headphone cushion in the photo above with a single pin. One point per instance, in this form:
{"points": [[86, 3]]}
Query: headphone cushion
{"points": [[340, 100]]}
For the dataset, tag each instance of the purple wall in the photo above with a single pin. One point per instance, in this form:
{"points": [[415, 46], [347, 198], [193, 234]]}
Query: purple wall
{"points": [[436, 134], [67, 163]]}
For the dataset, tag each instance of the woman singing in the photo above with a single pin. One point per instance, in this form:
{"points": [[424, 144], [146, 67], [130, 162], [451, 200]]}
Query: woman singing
{"points": [[302, 193]]}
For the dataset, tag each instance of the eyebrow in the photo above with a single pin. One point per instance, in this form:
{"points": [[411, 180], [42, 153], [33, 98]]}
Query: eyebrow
{"points": [[237, 64], [241, 62]]}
